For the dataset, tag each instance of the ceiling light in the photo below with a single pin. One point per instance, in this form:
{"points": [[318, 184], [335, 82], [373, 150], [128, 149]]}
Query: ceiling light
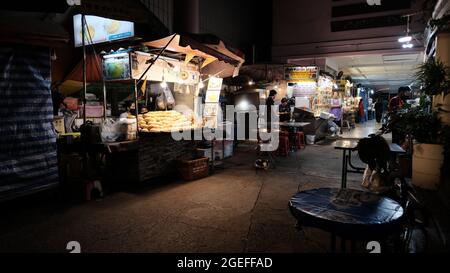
{"points": [[408, 45], [405, 39], [251, 83]]}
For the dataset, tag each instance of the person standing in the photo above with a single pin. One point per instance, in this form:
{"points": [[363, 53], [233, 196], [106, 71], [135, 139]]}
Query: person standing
{"points": [[362, 114], [269, 103], [395, 104], [336, 108], [378, 110]]}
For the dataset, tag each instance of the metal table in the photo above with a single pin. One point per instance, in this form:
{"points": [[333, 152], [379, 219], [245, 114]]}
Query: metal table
{"points": [[350, 214], [293, 128], [294, 124], [347, 146]]}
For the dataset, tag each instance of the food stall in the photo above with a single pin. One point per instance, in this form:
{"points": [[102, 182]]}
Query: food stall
{"points": [[163, 82], [168, 96]]}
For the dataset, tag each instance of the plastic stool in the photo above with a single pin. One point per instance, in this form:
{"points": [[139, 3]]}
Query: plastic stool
{"points": [[284, 146], [300, 141], [284, 133]]}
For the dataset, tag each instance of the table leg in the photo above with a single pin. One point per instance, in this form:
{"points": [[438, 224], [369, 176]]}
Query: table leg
{"points": [[344, 169]]}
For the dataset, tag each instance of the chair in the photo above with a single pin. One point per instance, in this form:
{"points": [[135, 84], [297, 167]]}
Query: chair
{"points": [[284, 146], [300, 141]]}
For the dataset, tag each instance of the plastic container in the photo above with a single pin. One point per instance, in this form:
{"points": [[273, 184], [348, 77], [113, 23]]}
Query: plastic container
{"points": [[94, 111], [193, 169], [310, 139]]}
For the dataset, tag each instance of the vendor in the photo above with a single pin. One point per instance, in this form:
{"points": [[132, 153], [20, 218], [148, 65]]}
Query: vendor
{"points": [[336, 107], [284, 110], [269, 103]]}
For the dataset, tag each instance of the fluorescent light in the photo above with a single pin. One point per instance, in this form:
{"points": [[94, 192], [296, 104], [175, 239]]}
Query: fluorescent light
{"points": [[408, 45], [405, 39], [115, 55]]}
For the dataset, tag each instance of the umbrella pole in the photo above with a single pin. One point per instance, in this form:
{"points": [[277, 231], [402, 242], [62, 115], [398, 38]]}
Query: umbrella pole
{"points": [[104, 96], [84, 66], [136, 107]]}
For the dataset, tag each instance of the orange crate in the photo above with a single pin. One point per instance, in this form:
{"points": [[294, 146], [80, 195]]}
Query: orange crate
{"points": [[193, 169]]}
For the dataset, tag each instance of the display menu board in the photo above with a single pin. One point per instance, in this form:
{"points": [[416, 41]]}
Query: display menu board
{"points": [[301, 73], [100, 30], [302, 89], [211, 109]]}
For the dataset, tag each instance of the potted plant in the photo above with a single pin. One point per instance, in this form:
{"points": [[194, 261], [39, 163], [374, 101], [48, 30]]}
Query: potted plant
{"points": [[434, 78], [427, 124]]}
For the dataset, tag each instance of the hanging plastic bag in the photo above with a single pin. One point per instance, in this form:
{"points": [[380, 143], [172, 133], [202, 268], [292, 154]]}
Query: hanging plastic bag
{"points": [[170, 100], [160, 102], [110, 130]]}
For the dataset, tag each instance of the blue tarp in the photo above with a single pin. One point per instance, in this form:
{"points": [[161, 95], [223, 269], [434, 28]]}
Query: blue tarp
{"points": [[28, 159]]}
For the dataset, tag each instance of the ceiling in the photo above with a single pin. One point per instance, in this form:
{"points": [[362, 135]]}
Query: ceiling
{"points": [[382, 72]]}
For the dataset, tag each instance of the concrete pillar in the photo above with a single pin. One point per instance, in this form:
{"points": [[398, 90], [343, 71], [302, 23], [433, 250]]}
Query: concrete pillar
{"points": [[187, 16]]}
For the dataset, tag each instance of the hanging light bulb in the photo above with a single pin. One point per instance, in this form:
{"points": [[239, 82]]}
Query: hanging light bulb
{"points": [[405, 39], [408, 45]]}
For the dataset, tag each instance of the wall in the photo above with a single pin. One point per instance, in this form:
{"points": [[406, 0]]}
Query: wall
{"points": [[241, 23], [163, 10]]}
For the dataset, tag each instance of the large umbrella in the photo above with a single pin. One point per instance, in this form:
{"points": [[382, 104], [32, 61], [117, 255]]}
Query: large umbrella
{"points": [[218, 59], [74, 80]]}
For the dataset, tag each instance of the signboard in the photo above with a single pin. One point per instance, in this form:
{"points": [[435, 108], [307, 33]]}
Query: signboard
{"points": [[301, 73], [342, 85], [215, 83], [176, 72], [302, 89], [116, 67], [211, 110], [100, 30]]}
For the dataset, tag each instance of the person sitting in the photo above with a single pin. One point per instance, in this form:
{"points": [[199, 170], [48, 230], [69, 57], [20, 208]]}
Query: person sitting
{"points": [[284, 110], [375, 152]]}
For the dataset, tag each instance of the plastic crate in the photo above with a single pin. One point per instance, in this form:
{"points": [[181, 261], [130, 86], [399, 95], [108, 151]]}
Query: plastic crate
{"points": [[193, 169]]}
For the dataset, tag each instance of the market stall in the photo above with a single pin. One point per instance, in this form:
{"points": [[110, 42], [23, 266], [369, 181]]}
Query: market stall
{"points": [[168, 96]]}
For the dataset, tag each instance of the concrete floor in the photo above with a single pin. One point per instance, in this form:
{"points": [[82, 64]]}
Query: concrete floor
{"points": [[236, 209]]}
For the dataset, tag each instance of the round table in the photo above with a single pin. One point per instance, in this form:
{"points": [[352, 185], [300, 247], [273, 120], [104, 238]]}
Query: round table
{"points": [[350, 214]]}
